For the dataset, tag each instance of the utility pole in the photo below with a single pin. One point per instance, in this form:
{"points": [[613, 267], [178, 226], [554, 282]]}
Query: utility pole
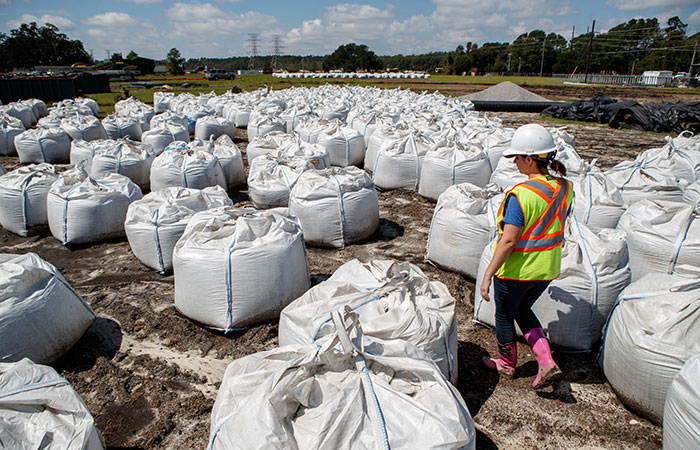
{"points": [[590, 49], [253, 43], [668, 44], [692, 60], [509, 61], [542, 59], [571, 49], [519, 64], [276, 49]]}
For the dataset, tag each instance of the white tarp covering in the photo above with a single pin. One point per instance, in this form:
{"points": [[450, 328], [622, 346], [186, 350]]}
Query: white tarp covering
{"points": [[40, 410], [155, 223], [464, 222], [662, 236], [335, 207], [83, 210], [311, 397], [41, 316], [652, 331], [38, 145], [682, 408], [573, 309], [23, 195], [180, 166], [402, 304], [234, 267]]}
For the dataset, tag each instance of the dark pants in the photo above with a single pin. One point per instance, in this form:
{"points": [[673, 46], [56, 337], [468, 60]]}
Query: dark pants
{"points": [[514, 300]]}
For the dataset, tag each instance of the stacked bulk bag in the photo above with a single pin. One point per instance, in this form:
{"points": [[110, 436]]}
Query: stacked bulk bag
{"points": [[261, 124], [155, 223], [180, 166], [10, 127], [40, 409], [23, 195], [464, 222], [234, 267], [214, 126], [396, 301], [598, 203], [398, 165], [382, 137], [272, 177], [345, 145], [83, 210], [118, 126], [269, 143], [87, 128], [335, 207], [650, 334], [229, 156], [450, 162], [125, 157], [41, 316], [662, 236], [682, 408], [595, 268], [339, 395], [38, 145], [163, 134]]}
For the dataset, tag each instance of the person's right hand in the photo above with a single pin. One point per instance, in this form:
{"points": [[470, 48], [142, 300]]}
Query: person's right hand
{"points": [[484, 288]]}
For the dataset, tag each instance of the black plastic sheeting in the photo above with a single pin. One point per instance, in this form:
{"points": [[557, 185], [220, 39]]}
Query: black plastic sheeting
{"points": [[660, 117], [512, 106]]}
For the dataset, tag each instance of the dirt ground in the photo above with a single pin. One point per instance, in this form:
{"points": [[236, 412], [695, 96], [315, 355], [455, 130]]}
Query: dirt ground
{"points": [[150, 376]]}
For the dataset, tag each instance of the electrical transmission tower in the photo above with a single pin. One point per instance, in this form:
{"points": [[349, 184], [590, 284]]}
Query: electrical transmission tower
{"points": [[277, 49], [253, 44]]}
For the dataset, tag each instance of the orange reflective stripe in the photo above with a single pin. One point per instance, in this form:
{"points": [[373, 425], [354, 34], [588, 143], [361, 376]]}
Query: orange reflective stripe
{"points": [[550, 212], [538, 192]]}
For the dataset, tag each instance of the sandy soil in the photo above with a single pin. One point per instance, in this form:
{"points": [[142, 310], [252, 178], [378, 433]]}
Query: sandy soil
{"points": [[150, 376]]}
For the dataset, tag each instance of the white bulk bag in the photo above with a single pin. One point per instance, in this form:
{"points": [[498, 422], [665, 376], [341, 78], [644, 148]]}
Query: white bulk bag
{"points": [[40, 409], [367, 122], [238, 113], [38, 107], [464, 222], [87, 128], [2, 169], [506, 174], [23, 198], [169, 116], [85, 150], [311, 128], [650, 334], [335, 207], [161, 101], [234, 267], [49, 145], [383, 136], [229, 156], [41, 316], [10, 127], [682, 408], [125, 157], [314, 154], [118, 126], [83, 211], [268, 143], [336, 110], [597, 202], [448, 163], [691, 194], [637, 182], [87, 103], [20, 111], [573, 309], [54, 119], [404, 305], [339, 396], [272, 177], [155, 223], [494, 140], [193, 112], [161, 135], [262, 124], [296, 114], [662, 236], [682, 162], [214, 126], [179, 166], [398, 165], [345, 145]]}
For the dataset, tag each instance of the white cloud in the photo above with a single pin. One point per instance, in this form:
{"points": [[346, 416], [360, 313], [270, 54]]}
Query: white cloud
{"points": [[205, 19], [141, 2], [694, 18], [635, 5], [414, 24], [112, 19], [62, 23]]}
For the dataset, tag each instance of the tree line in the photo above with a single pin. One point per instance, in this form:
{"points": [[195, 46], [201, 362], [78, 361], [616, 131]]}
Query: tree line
{"points": [[628, 48]]}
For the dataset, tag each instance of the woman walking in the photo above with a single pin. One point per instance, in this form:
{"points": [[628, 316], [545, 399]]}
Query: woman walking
{"points": [[527, 256]]}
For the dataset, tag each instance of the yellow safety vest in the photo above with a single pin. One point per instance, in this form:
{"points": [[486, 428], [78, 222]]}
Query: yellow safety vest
{"points": [[545, 201]]}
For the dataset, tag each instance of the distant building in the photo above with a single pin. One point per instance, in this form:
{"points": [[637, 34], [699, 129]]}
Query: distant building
{"points": [[657, 77], [160, 68]]}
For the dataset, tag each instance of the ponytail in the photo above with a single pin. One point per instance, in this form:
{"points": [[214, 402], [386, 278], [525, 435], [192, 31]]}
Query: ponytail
{"points": [[558, 167], [547, 163]]}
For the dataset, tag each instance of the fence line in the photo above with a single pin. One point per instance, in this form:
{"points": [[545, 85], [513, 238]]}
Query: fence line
{"points": [[622, 80]]}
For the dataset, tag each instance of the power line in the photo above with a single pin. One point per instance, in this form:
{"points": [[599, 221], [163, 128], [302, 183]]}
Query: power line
{"points": [[253, 44], [277, 49]]}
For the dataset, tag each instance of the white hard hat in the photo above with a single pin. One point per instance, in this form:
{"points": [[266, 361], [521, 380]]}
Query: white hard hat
{"points": [[531, 139]]}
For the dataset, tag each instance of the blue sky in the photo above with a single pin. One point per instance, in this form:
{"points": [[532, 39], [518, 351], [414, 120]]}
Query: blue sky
{"points": [[219, 28]]}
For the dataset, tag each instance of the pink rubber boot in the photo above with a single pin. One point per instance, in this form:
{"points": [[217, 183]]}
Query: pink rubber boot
{"points": [[548, 369], [506, 362]]}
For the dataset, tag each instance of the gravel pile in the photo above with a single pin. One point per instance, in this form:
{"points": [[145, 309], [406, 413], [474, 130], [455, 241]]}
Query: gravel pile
{"points": [[505, 92]]}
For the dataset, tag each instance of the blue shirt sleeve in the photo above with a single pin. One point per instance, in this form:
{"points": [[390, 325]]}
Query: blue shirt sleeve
{"points": [[513, 213]]}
